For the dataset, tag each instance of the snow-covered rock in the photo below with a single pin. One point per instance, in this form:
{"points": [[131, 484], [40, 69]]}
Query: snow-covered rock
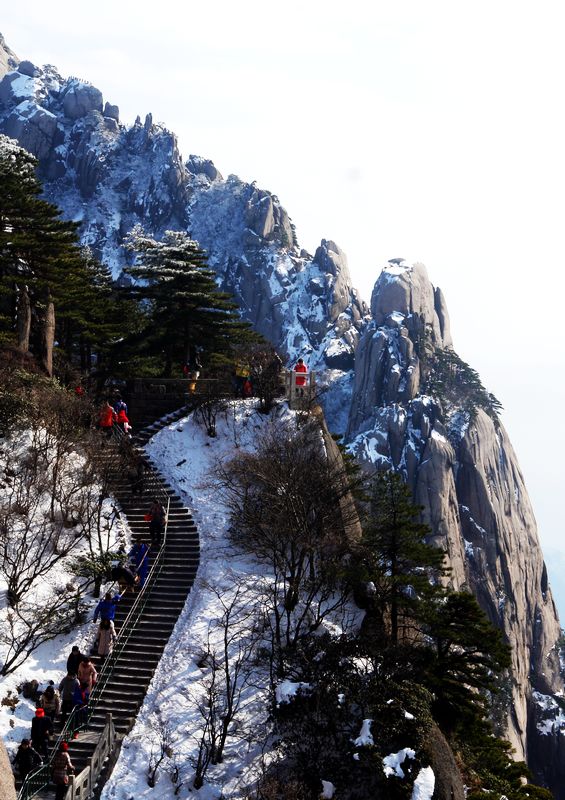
{"points": [[461, 469]]}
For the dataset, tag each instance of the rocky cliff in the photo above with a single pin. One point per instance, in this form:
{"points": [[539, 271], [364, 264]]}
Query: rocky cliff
{"points": [[379, 365], [461, 467], [110, 177]]}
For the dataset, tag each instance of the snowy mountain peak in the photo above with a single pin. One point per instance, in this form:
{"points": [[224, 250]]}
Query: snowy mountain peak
{"points": [[406, 289], [111, 177]]}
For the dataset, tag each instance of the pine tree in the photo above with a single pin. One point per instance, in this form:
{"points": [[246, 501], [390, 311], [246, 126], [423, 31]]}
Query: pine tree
{"points": [[396, 559], [185, 310], [42, 270], [468, 655]]}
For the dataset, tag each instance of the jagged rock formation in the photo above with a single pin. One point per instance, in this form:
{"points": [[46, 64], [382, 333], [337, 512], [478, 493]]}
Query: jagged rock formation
{"points": [[112, 177], [459, 463], [462, 469]]}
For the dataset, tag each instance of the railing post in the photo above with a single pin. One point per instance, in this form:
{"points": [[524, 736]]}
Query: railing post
{"points": [[108, 730], [91, 780], [70, 795]]}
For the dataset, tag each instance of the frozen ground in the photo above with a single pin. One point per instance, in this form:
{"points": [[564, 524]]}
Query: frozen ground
{"points": [[186, 455], [48, 662]]}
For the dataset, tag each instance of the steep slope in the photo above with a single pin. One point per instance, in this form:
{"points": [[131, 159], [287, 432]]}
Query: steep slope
{"points": [[457, 458], [111, 177], [462, 469]]}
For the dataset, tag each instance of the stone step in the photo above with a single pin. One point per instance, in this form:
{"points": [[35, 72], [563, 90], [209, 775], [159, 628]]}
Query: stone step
{"points": [[143, 648]]}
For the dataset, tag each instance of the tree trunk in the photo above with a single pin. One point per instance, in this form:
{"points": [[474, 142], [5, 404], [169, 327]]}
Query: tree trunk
{"points": [[24, 319], [48, 337]]}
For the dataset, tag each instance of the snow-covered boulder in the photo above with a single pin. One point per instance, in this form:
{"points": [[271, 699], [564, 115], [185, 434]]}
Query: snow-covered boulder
{"points": [[80, 98], [111, 111], [33, 126]]}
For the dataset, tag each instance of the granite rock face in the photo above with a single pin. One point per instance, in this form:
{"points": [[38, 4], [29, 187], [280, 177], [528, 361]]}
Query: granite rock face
{"points": [[460, 466], [462, 469], [113, 177], [8, 59]]}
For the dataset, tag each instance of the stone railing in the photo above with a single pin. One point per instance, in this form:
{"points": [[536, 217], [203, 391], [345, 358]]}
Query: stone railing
{"points": [[300, 389], [82, 785]]}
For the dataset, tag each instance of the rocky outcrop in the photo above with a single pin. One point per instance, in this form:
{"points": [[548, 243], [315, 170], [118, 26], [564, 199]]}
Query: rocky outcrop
{"points": [[7, 787], [457, 460], [115, 177], [8, 59], [80, 98], [34, 128], [462, 469]]}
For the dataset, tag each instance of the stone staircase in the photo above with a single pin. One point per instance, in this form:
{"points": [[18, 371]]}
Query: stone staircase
{"points": [[125, 691]]}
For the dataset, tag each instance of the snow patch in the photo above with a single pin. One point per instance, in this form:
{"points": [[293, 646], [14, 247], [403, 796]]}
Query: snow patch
{"points": [[392, 764], [424, 785], [365, 738]]}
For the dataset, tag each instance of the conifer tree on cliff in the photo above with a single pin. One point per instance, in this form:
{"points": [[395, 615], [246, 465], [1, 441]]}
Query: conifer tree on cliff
{"points": [[184, 307], [42, 268], [396, 559]]}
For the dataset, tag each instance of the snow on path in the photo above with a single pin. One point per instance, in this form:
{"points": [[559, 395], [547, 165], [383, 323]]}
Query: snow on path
{"points": [[184, 454]]}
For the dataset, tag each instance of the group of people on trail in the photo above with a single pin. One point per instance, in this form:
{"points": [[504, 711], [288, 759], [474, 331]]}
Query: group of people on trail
{"points": [[28, 759], [251, 375], [73, 692], [76, 686], [116, 414]]}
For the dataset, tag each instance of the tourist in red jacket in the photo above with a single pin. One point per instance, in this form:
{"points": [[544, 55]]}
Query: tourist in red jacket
{"points": [[300, 381], [107, 418]]}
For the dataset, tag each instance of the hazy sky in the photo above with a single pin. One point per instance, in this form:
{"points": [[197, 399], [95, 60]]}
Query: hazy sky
{"points": [[432, 131]]}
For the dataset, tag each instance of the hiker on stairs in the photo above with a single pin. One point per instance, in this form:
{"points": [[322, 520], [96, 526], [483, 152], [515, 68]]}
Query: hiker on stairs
{"points": [[106, 609], [26, 759], [62, 765], [81, 697], [50, 702], [106, 638], [74, 659], [67, 688], [139, 554], [124, 576], [107, 418], [87, 673], [156, 517], [41, 730], [136, 475]]}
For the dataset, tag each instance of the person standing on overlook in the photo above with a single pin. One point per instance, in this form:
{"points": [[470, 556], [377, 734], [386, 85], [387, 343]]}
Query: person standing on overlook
{"points": [[300, 381]]}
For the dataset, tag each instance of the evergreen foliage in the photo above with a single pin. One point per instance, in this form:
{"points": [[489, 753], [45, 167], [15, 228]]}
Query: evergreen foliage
{"points": [[413, 627], [184, 311], [48, 289], [395, 558], [468, 654], [454, 383]]}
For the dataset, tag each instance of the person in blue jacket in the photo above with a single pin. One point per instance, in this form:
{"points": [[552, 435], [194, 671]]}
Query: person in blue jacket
{"points": [[139, 556], [119, 404], [106, 608], [81, 696]]}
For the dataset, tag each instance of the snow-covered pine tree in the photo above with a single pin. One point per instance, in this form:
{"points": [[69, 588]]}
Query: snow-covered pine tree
{"points": [[184, 308]]}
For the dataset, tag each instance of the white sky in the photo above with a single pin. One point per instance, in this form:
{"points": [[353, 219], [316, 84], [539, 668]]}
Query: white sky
{"points": [[432, 131]]}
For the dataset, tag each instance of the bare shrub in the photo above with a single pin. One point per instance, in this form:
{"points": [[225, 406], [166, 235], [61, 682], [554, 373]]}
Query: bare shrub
{"points": [[285, 505], [33, 622]]}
